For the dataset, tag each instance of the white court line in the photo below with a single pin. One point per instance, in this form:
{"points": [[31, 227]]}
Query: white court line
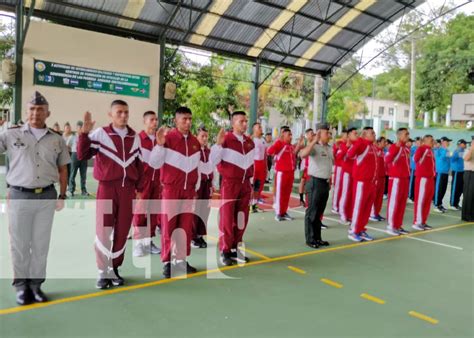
{"points": [[422, 240]]}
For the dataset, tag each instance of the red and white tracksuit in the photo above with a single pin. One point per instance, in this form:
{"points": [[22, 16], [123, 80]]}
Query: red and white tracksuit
{"points": [[398, 164], [151, 192], [204, 193], [424, 184], [337, 181], [379, 183], [260, 167], [345, 201], [235, 163], [364, 173], [119, 170], [178, 159], [285, 162]]}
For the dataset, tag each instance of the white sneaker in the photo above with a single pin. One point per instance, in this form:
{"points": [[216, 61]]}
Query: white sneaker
{"points": [[140, 250], [391, 231], [374, 219], [343, 222], [154, 250], [409, 201], [418, 227], [335, 212], [453, 208]]}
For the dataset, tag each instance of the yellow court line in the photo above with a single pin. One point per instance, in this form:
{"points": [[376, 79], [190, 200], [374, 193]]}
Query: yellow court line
{"points": [[297, 270], [225, 268], [372, 298], [331, 283], [253, 252], [423, 317]]}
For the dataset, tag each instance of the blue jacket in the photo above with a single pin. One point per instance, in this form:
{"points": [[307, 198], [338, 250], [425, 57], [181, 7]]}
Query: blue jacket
{"points": [[442, 161], [412, 157], [457, 162]]}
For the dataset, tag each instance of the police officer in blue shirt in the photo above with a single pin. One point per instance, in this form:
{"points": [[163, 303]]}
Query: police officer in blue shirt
{"points": [[457, 169], [443, 163]]}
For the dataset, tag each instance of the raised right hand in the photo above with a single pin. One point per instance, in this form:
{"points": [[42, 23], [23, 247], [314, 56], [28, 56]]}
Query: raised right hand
{"points": [[88, 123], [220, 137], [161, 135]]}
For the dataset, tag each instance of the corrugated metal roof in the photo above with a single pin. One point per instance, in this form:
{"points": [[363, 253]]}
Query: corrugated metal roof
{"points": [[329, 31]]}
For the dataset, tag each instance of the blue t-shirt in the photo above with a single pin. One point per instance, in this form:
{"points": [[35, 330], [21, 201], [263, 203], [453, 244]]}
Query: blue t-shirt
{"points": [[443, 161], [457, 162], [412, 157]]}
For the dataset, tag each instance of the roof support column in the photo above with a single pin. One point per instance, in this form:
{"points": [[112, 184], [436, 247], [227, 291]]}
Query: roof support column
{"points": [[325, 96], [18, 62], [254, 95], [161, 80]]}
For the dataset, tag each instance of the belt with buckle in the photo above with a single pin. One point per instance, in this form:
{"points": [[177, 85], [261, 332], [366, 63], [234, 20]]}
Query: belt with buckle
{"points": [[33, 190]]}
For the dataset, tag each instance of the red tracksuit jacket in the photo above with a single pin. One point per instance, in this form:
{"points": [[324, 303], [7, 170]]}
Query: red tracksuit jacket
{"points": [[346, 162], [178, 159], [146, 147], [363, 153], [380, 162], [335, 149], [398, 161], [234, 159], [285, 159], [425, 162], [115, 158]]}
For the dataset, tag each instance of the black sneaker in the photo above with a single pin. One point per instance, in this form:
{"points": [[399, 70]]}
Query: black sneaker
{"points": [[103, 283], [117, 280], [320, 242], [225, 259], [238, 256], [195, 243], [427, 227], [312, 245], [203, 243], [167, 270], [443, 208], [324, 227], [190, 269]]}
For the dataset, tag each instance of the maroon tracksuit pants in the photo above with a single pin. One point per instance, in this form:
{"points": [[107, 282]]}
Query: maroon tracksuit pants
{"points": [[114, 212], [142, 228], [203, 209], [234, 212], [176, 222], [424, 191]]}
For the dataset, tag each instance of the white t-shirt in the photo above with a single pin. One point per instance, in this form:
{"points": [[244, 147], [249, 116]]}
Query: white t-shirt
{"points": [[260, 148], [38, 132], [122, 132], [152, 137], [239, 137]]}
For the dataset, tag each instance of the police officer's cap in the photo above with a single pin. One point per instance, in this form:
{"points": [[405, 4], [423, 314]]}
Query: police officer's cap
{"points": [[38, 99], [462, 141], [444, 138], [323, 126]]}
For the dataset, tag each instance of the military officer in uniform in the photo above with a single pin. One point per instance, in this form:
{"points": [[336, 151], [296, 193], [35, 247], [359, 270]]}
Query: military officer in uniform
{"points": [[38, 158]]}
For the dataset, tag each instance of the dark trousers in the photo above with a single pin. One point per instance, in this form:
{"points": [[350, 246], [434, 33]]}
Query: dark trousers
{"points": [[385, 190], [468, 198], [411, 191], [456, 187], [318, 194], [76, 165], [440, 188]]}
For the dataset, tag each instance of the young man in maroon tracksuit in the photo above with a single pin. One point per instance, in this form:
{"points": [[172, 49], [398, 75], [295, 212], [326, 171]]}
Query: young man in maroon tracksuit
{"points": [[345, 202], [398, 163], [144, 226], [285, 163], [119, 170], [204, 192], [425, 174], [380, 182], [337, 182], [177, 153], [260, 165], [364, 154], [233, 154]]}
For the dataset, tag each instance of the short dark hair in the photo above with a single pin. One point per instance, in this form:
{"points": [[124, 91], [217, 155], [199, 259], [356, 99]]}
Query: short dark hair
{"points": [[183, 110], [308, 130], [401, 129], [426, 136], [118, 103], [368, 128], [202, 128], [351, 129], [285, 130], [380, 139], [283, 127], [255, 123], [149, 112], [237, 113], [268, 134]]}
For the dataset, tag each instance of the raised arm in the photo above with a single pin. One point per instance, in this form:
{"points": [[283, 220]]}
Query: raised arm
{"points": [[85, 148], [158, 153], [216, 153]]}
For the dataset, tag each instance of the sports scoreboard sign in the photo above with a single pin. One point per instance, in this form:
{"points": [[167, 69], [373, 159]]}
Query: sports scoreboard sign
{"points": [[60, 75]]}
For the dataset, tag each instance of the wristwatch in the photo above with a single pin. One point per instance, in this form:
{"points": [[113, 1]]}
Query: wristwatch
{"points": [[62, 197]]}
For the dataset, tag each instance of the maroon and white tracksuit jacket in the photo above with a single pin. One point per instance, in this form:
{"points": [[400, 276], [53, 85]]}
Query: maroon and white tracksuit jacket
{"points": [[379, 184], [235, 163], [364, 173], [151, 191], [178, 159], [285, 164], [119, 169], [398, 164], [425, 174], [204, 193]]}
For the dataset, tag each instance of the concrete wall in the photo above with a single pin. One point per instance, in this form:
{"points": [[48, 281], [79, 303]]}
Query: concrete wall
{"points": [[51, 42]]}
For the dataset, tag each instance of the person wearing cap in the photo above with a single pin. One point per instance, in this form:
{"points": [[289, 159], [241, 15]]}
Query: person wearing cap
{"points": [[457, 172], [320, 162], [443, 164], [38, 159], [414, 146], [467, 213], [76, 164], [145, 224], [177, 153], [234, 154], [119, 170]]}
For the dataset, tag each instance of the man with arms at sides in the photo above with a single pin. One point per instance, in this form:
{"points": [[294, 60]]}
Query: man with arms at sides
{"points": [[234, 154], [260, 165], [380, 182], [119, 170]]}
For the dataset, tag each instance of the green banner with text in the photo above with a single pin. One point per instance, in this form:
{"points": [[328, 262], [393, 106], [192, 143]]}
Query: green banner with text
{"points": [[88, 79]]}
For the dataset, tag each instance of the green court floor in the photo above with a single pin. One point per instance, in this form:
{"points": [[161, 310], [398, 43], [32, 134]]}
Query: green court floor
{"points": [[419, 285]]}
